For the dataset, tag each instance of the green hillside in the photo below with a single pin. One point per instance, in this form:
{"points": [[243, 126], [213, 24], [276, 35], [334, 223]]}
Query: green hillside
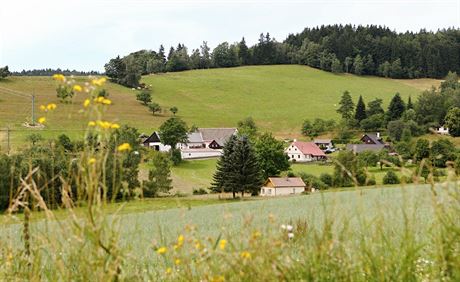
{"points": [[279, 98]]}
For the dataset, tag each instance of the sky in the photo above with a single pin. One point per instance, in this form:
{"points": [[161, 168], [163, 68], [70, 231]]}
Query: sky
{"points": [[85, 34]]}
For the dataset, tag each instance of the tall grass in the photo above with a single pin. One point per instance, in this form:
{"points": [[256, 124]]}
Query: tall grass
{"points": [[407, 234]]}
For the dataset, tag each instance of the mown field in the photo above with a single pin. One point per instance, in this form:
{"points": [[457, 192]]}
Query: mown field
{"points": [[279, 98]]}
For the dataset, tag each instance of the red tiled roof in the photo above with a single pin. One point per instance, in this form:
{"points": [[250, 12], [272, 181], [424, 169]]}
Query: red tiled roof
{"points": [[309, 148]]}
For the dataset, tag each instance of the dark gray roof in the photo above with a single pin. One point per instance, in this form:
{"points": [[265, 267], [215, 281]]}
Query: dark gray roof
{"points": [[358, 148], [220, 135], [374, 138]]}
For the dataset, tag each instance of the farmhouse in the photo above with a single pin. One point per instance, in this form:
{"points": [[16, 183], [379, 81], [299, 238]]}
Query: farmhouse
{"points": [[304, 152], [371, 138], [370, 142], [324, 144], [279, 186], [206, 142], [154, 142]]}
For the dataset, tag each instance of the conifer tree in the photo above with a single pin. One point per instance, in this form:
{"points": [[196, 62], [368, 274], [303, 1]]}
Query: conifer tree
{"points": [[346, 106], [360, 113], [396, 108], [246, 174], [220, 177]]}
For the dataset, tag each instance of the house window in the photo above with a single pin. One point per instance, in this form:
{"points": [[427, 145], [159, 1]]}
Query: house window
{"points": [[295, 149], [263, 191], [292, 156], [293, 190], [298, 156], [269, 191]]}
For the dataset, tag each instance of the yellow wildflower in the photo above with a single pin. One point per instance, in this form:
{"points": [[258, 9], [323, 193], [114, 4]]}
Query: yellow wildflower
{"points": [[99, 99], [77, 88], [115, 126], [256, 234], [222, 244], [86, 103], [106, 102], [180, 240], [59, 77], [91, 123], [168, 270], [175, 247], [104, 124], [51, 106], [124, 147], [98, 82], [245, 255], [42, 120], [197, 245], [162, 250], [177, 261], [218, 278], [42, 108], [91, 161]]}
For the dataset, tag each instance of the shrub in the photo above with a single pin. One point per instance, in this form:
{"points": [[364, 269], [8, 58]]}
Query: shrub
{"points": [[312, 181], [391, 178], [200, 191], [327, 179]]}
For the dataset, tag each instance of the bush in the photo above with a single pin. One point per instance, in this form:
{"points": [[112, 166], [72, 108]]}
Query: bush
{"points": [[327, 179], [312, 181], [200, 191], [391, 178]]}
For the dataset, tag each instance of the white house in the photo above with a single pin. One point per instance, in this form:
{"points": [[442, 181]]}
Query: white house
{"points": [[206, 143], [442, 130], [282, 186], [154, 142], [304, 152]]}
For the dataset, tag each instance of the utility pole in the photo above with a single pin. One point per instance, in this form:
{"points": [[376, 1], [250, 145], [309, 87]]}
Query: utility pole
{"points": [[33, 108]]}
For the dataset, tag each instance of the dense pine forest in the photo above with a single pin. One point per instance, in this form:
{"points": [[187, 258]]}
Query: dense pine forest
{"points": [[362, 50]]}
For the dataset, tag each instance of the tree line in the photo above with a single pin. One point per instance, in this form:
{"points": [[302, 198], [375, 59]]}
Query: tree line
{"points": [[362, 50], [50, 72]]}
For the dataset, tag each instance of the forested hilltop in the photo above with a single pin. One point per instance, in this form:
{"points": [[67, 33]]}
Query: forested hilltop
{"points": [[362, 50]]}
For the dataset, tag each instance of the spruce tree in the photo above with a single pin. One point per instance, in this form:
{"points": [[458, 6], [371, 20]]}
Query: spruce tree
{"points": [[223, 168], [245, 174], [360, 113], [346, 106], [243, 52], [396, 108]]}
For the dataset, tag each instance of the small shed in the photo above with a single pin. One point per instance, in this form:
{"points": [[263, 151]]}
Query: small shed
{"points": [[281, 186]]}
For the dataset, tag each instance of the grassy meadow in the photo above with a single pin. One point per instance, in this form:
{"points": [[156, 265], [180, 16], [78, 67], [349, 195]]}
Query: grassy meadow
{"points": [[333, 237], [279, 98]]}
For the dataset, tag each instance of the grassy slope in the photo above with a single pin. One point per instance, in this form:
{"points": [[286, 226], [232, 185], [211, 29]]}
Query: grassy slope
{"points": [[278, 97]]}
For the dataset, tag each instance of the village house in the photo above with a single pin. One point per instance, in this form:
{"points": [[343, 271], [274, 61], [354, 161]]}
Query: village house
{"points": [[281, 186], [206, 143], [324, 144], [370, 142], [154, 142], [202, 143], [442, 130], [304, 152]]}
